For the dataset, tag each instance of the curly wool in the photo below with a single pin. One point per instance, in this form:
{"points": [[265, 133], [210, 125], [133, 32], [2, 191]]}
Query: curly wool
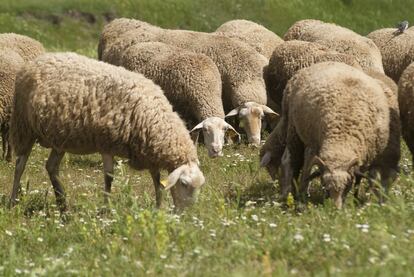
{"points": [[339, 39], [240, 66], [257, 36], [191, 81], [406, 104], [291, 56], [113, 111], [346, 114], [26, 47], [10, 63], [397, 50]]}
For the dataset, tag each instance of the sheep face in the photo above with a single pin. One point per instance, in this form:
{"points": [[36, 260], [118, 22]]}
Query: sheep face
{"points": [[185, 182], [214, 131], [251, 115], [336, 181], [271, 164]]}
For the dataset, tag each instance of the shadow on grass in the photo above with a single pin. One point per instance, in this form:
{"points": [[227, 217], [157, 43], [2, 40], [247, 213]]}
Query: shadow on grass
{"points": [[84, 161]]}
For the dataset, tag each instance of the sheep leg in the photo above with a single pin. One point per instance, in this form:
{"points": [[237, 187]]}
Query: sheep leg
{"points": [[375, 184], [307, 167], [286, 176], [388, 176], [18, 172], [52, 167], [108, 165], [9, 151], [159, 195], [4, 142]]}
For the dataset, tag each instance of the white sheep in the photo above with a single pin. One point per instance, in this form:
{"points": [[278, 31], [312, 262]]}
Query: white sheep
{"points": [[241, 67], [338, 118], [257, 36], [339, 39], [190, 81], [14, 51], [397, 49], [74, 104]]}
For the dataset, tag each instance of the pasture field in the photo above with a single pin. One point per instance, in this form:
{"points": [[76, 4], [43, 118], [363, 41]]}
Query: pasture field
{"points": [[238, 227]]}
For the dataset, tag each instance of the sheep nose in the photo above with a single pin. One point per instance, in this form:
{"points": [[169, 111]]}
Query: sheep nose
{"points": [[254, 140]]}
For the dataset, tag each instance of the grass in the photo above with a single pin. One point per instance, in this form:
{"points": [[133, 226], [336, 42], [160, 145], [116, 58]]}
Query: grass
{"points": [[238, 227]]}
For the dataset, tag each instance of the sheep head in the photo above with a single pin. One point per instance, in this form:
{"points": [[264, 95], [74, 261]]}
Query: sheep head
{"points": [[214, 130], [251, 115], [184, 183], [335, 180]]}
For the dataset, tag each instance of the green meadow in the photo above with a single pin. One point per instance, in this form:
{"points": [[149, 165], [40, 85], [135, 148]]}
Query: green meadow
{"points": [[238, 227]]}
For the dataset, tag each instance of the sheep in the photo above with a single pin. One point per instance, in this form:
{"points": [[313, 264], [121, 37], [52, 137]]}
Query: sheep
{"points": [[75, 104], [339, 39], [14, 51], [293, 55], [406, 101], [255, 35], [397, 49], [190, 81], [10, 63], [347, 128], [26, 47], [241, 67], [296, 156]]}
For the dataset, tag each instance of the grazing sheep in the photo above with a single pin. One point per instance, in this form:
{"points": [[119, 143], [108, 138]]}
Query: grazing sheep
{"points": [[406, 103], [14, 51], [346, 127], [342, 140], [257, 36], [339, 39], [272, 151], [75, 104], [241, 67], [190, 81], [291, 56], [397, 49]]}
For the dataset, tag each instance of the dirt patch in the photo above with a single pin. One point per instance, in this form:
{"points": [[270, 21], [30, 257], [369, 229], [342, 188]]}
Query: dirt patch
{"points": [[56, 19]]}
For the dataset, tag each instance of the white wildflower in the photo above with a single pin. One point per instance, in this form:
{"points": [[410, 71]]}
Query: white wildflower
{"points": [[39, 239], [298, 237], [272, 225], [9, 233], [255, 217]]}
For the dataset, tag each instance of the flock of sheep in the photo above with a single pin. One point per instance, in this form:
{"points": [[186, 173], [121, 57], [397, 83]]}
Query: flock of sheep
{"points": [[328, 94]]}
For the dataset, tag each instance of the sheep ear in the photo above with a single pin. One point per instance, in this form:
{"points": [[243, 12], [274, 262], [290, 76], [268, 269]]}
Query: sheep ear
{"points": [[318, 161], [195, 132], [172, 179], [232, 134], [267, 157], [352, 163], [233, 112], [197, 127], [269, 111]]}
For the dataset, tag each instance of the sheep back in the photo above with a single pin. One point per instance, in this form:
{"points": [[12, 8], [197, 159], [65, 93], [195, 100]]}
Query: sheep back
{"points": [[79, 105], [397, 49], [291, 56], [191, 81], [257, 36], [339, 112], [26, 47], [339, 39]]}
